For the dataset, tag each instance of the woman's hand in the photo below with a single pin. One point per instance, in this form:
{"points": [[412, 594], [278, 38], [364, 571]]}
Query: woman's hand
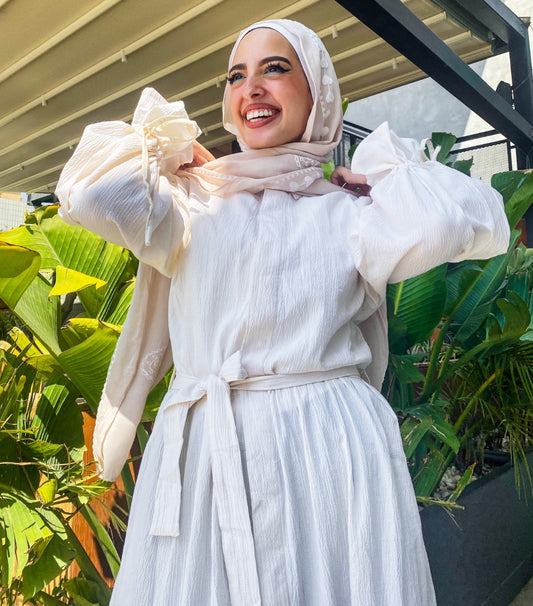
{"points": [[200, 155], [343, 177]]}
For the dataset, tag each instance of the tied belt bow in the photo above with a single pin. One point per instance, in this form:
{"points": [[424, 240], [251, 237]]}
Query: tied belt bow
{"points": [[226, 466]]}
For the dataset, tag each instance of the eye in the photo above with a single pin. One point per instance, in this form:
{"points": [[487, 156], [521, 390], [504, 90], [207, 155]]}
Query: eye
{"points": [[275, 68], [234, 77]]}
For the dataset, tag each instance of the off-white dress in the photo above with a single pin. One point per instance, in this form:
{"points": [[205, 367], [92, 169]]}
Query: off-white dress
{"points": [[293, 490]]}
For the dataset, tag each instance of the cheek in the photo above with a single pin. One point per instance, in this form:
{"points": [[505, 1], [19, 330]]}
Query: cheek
{"points": [[234, 105], [301, 104]]}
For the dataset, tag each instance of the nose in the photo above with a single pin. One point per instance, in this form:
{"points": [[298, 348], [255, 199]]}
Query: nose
{"points": [[253, 87]]}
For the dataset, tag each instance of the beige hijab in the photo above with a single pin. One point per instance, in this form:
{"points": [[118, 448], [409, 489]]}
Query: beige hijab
{"points": [[293, 167]]}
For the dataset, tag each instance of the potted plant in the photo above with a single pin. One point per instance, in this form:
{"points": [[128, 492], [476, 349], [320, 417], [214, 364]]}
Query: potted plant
{"points": [[460, 378]]}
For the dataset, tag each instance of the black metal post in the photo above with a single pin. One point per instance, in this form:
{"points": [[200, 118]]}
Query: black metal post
{"points": [[401, 28]]}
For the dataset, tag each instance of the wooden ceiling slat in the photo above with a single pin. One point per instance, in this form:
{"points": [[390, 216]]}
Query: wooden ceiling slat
{"points": [[180, 48], [57, 38]]}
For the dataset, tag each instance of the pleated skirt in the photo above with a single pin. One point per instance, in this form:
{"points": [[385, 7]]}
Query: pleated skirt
{"points": [[333, 512]]}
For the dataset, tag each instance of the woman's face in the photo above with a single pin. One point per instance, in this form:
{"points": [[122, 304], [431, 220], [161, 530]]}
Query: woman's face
{"points": [[270, 99]]}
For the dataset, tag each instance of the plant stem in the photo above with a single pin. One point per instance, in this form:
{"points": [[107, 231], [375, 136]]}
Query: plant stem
{"points": [[433, 361], [87, 567], [472, 401]]}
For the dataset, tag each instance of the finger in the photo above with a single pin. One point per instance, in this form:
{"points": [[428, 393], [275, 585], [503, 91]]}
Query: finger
{"points": [[344, 177], [200, 154], [340, 175]]}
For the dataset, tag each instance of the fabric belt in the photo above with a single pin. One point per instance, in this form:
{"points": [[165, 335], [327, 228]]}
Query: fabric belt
{"points": [[226, 465]]}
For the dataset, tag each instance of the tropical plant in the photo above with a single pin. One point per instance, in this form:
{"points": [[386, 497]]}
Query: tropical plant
{"points": [[55, 367], [461, 339], [44, 260], [43, 484]]}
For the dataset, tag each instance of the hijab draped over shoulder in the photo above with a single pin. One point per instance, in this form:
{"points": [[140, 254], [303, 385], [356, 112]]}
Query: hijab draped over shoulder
{"points": [[293, 167]]}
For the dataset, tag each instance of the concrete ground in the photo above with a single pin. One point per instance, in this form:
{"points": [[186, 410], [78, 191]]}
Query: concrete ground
{"points": [[525, 597]]}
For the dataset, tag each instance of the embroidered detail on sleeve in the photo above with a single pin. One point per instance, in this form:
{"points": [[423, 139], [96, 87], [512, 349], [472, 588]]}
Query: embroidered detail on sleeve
{"points": [[150, 363]]}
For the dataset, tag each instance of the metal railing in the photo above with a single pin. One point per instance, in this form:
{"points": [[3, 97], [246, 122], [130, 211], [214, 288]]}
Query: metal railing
{"points": [[351, 134], [491, 152]]}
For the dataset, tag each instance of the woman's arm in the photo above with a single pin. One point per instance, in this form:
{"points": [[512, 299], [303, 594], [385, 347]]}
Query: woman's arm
{"points": [[420, 213], [119, 182]]}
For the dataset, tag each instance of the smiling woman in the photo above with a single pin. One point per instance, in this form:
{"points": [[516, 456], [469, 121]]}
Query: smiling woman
{"points": [[270, 100], [275, 473]]}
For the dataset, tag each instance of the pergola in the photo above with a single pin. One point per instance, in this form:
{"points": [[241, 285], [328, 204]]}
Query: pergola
{"points": [[67, 64]]}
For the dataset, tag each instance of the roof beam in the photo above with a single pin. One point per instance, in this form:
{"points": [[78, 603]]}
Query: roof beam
{"points": [[402, 29], [499, 19], [494, 15], [152, 77], [119, 55]]}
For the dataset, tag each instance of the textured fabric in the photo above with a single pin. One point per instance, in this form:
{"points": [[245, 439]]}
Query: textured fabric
{"points": [[229, 490], [334, 516], [296, 166], [290, 284]]}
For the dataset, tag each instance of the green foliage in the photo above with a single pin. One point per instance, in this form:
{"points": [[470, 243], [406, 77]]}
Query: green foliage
{"points": [[48, 373], [41, 470], [439, 148], [328, 169], [47, 258], [461, 338]]}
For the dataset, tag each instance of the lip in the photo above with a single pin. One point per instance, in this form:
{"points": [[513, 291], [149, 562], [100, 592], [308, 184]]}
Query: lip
{"points": [[263, 121]]}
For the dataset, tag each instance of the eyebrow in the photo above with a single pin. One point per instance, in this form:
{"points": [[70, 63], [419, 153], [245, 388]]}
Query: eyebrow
{"points": [[241, 66]]}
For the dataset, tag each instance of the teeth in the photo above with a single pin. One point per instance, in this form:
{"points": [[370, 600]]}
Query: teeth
{"points": [[259, 113]]}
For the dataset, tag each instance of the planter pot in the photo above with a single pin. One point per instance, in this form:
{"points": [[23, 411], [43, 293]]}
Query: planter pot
{"points": [[485, 556]]}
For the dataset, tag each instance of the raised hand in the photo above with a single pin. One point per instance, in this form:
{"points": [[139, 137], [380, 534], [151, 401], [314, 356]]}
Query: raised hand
{"points": [[343, 177]]}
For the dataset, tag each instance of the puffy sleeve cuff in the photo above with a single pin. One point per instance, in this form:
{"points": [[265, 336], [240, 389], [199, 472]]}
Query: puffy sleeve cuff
{"points": [[382, 151], [420, 213], [165, 129]]}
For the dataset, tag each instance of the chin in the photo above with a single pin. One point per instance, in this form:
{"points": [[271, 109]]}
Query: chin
{"points": [[266, 142], [260, 142]]}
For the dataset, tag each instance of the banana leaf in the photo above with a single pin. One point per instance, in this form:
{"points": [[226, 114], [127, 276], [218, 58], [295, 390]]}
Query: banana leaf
{"points": [[48, 557], [69, 280], [18, 269], [517, 191], [75, 248], [26, 293], [416, 307], [121, 304], [472, 289], [86, 363], [58, 419]]}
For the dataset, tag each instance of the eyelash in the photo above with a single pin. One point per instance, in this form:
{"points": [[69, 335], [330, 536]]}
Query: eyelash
{"points": [[232, 78]]}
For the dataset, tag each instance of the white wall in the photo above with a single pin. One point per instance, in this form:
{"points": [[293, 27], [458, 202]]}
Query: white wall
{"points": [[417, 109]]}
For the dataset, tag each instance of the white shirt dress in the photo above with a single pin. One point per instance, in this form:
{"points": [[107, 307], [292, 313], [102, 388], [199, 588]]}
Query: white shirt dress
{"points": [[275, 473]]}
